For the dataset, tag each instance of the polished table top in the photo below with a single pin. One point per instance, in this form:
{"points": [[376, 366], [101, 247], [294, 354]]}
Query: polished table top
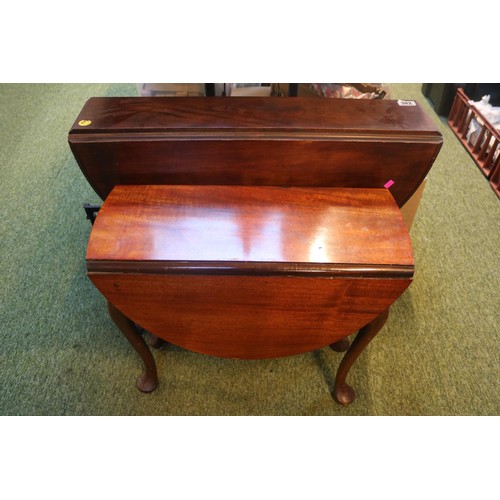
{"points": [[248, 228], [250, 271]]}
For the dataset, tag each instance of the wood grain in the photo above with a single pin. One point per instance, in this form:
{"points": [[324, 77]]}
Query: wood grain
{"points": [[241, 114], [248, 317], [250, 229], [254, 141], [252, 272]]}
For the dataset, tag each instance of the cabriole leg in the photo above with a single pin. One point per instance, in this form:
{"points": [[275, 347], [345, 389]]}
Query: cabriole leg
{"points": [[148, 381], [342, 392], [154, 341], [341, 345]]}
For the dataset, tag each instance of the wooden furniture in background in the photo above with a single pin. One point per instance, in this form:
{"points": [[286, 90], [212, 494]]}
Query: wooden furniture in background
{"points": [[306, 142], [252, 228], [442, 95], [484, 146]]}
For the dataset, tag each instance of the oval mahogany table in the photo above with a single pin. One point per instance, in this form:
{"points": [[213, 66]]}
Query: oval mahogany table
{"points": [[250, 272]]}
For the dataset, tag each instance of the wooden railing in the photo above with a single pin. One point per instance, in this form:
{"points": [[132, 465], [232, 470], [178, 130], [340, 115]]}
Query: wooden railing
{"points": [[483, 146]]}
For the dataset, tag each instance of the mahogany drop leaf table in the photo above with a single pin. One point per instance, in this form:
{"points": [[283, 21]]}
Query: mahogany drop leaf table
{"points": [[252, 228]]}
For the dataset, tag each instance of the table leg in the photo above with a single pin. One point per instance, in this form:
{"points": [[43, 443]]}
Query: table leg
{"points": [[342, 392], [151, 339], [341, 345], [148, 381], [154, 341]]}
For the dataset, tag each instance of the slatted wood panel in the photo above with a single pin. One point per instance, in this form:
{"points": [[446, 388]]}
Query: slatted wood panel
{"points": [[484, 145]]}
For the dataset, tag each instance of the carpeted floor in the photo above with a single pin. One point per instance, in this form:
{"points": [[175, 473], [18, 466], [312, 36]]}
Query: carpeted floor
{"points": [[60, 354]]}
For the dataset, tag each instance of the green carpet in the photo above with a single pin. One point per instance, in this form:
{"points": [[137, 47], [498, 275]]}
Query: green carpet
{"points": [[60, 354]]}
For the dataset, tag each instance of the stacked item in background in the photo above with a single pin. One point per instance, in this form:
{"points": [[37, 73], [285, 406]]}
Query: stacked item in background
{"points": [[170, 89], [350, 90], [334, 90], [199, 89]]}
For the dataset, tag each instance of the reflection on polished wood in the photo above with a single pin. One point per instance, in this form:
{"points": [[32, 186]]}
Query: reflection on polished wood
{"points": [[222, 227], [256, 272]]}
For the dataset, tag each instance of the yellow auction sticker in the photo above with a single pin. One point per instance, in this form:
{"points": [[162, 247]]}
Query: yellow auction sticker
{"points": [[84, 123]]}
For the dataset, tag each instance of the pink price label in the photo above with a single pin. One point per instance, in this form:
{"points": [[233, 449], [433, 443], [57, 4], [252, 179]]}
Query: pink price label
{"points": [[388, 184]]}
